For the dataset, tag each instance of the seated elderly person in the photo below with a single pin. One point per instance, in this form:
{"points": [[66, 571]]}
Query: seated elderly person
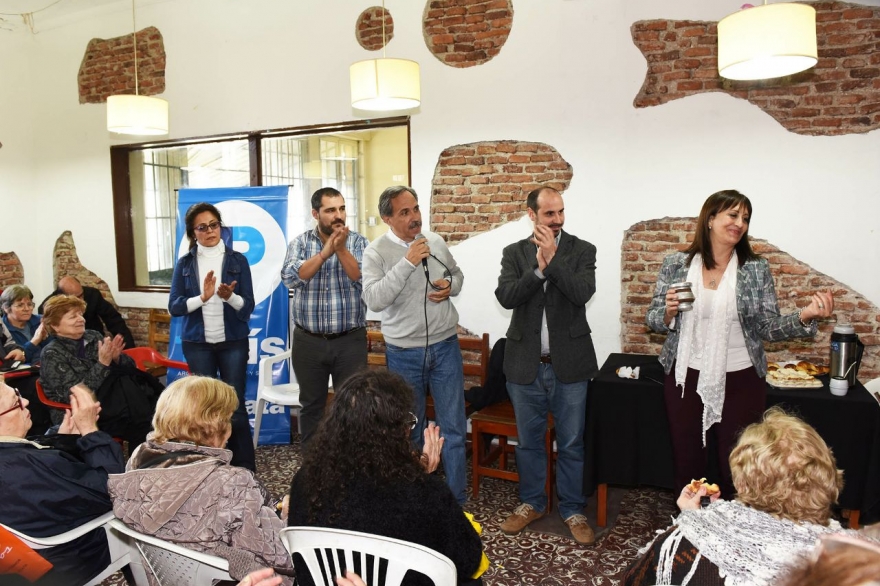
{"points": [[99, 313], [47, 491], [17, 303], [75, 354], [360, 473], [786, 480], [182, 473]]}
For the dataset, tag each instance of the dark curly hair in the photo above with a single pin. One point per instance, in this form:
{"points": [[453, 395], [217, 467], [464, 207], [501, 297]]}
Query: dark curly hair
{"points": [[364, 436]]}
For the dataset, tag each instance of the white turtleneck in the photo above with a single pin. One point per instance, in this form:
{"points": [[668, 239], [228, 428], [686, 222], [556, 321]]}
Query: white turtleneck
{"points": [[210, 258]]}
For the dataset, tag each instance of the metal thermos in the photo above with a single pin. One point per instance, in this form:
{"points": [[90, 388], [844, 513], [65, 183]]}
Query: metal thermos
{"points": [[846, 353]]}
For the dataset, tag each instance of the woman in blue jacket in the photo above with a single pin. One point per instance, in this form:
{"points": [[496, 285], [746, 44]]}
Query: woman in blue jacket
{"points": [[215, 315]]}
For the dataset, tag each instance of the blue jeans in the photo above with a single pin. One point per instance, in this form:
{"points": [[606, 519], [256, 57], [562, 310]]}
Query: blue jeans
{"points": [[442, 371], [568, 403], [230, 359]]}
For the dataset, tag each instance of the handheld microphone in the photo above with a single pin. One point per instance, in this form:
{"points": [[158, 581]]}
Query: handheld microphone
{"points": [[424, 260]]}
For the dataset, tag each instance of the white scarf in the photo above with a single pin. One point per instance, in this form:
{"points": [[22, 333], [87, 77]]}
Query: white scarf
{"points": [[713, 349], [749, 547]]}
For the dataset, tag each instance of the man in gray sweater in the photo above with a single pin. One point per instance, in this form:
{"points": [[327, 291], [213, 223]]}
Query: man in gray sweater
{"points": [[419, 321]]}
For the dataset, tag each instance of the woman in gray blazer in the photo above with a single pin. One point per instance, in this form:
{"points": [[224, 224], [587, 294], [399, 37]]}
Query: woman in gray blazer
{"points": [[713, 355]]}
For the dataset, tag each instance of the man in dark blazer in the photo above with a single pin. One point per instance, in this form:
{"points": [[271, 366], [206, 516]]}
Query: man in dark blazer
{"points": [[99, 312], [547, 280]]}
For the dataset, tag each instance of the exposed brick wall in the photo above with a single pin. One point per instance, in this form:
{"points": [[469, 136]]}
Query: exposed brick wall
{"points": [[840, 95], [107, 67], [65, 262], [465, 33], [646, 244], [11, 271], [368, 29], [482, 185]]}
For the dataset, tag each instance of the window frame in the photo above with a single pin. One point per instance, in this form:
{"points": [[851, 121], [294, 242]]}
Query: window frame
{"points": [[121, 179]]}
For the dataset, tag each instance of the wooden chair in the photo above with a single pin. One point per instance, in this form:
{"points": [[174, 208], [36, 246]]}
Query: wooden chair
{"points": [[160, 323], [480, 369], [499, 419]]}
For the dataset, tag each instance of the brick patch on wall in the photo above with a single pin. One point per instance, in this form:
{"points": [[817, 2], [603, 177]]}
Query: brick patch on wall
{"points": [[646, 244], [465, 33], [368, 29], [65, 262], [482, 185], [11, 271], [840, 95], [107, 67]]}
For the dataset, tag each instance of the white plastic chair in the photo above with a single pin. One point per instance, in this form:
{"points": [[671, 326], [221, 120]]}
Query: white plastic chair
{"points": [[284, 394], [873, 385], [321, 547], [119, 552], [169, 563]]}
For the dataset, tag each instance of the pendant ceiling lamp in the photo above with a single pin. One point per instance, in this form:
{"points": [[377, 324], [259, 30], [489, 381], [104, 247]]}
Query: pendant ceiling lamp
{"points": [[768, 41], [385, 84], [133, 113]]}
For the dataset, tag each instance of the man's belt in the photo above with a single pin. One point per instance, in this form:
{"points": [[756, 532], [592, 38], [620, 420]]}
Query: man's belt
{"points": [[327, 336], [545, 359]]}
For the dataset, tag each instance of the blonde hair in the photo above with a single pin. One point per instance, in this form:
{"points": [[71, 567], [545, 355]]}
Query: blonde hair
{"points": [[57, 307], [783, 467], [195, 409]]}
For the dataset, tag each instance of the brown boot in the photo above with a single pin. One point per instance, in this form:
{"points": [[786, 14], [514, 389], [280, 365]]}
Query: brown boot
{"points": [[520, 518], [581, 530]]}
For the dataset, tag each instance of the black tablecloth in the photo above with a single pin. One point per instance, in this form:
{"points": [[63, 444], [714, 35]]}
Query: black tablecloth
{"points": [[627, 434]]}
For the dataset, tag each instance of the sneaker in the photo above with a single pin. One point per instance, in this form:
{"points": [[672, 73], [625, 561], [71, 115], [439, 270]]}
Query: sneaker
{"points": [[580, 529], [520, 518]]}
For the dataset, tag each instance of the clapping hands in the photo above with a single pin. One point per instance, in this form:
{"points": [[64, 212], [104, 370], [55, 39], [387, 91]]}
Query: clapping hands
{"points": [[109, 349], [433, 446], [82, 417]]}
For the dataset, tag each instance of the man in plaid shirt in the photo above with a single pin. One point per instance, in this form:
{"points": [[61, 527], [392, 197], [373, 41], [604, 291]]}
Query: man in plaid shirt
{"points": [[323, 270]]}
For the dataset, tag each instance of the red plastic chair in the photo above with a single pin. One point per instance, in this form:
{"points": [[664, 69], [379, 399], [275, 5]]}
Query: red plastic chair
{"points": [[41, 395], [143, 355]]}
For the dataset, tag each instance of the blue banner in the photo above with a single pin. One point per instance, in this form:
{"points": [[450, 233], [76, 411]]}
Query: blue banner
{"points": [[254, 224]]}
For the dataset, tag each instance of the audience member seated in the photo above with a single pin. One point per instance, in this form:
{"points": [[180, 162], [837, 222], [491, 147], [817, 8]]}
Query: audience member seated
{"points": [[17, 303], [48, 491], [10, 349], [839, 560], [23, 334], [75, 354], [99, 313], [786, 480], [361, 474], [179, 485]]}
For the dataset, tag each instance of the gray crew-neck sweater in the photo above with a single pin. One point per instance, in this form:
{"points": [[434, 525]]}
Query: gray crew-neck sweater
{"points": [[392, 286]]}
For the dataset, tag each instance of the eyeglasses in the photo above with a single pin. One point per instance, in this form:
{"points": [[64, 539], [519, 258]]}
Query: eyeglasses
{"points": [[23, 305], [18, 404], [205, 227], [415, 420]]}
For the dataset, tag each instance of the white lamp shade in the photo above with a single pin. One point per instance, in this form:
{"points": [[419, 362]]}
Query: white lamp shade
{"points": [[767, 41], [137, 115], [385, 84]]}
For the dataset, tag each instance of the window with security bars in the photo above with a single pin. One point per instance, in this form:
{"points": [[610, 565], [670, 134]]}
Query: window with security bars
{"points": [[357, 158]]}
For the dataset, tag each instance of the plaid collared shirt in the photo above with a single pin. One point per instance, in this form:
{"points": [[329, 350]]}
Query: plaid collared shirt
{"points": [[329, 302]]}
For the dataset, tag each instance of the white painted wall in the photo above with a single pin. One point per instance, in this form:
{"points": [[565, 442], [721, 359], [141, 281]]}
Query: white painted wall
{"points": [[567, 77]]}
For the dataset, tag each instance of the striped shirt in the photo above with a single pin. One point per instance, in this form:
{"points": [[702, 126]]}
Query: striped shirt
{"points": [[329, 302]]}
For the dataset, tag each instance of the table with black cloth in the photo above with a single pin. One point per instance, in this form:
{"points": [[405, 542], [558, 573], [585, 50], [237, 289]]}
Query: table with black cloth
{"points": [[627, 438]]}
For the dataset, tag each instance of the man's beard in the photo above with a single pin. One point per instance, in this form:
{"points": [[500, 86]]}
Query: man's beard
{"points": [[328, 229]]}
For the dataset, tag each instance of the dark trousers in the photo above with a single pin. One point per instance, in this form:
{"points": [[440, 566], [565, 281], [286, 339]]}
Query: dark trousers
{"points": [[230, 360], [315, 360], [745, 396]]}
